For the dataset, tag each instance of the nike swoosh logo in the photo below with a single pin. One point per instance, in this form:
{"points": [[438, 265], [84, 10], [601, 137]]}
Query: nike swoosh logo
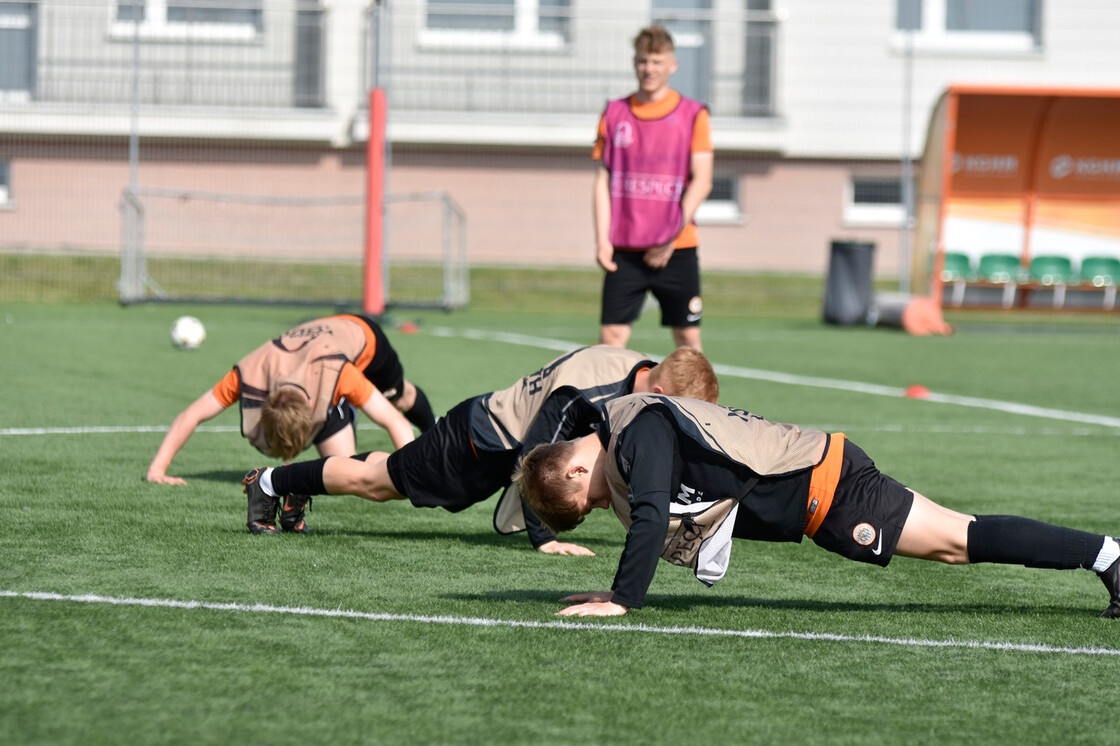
{"points": [[878, 547], [693, 317]]}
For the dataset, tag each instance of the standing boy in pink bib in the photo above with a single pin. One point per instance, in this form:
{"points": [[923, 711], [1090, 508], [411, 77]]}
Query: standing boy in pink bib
{"points": [[655, 151]]}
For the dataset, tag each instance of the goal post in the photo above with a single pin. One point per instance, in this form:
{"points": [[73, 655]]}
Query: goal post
{"points": [[192, 244], [373, 285]]}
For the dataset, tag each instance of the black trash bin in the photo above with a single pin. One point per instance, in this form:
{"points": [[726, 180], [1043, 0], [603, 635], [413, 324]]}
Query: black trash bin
{"points": [[847, 295]]}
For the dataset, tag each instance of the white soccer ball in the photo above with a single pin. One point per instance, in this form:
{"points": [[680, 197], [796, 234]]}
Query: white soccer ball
{"points": [[187, 333]]}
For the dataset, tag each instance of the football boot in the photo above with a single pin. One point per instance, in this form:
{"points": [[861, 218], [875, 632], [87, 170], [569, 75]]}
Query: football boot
{"points": [[292, 510], [1111, 580], [262, 506]]}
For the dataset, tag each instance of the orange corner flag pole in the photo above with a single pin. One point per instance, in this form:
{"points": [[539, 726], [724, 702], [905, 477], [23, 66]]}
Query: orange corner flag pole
{"points": [[373, 296]]}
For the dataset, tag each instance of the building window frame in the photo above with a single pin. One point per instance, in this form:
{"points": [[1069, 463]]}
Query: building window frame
{"points": [[6, 200], [874, 202], [932, 32], [158, 21], [529, 28], [723, 206]]}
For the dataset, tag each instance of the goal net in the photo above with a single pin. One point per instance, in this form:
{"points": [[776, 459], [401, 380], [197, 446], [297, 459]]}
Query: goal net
{"points": [[192, 245]]}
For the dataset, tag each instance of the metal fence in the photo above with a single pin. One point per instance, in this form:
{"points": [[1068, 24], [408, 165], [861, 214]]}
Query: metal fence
{"points": [[484, 57], [191, 108], [430, 55]]}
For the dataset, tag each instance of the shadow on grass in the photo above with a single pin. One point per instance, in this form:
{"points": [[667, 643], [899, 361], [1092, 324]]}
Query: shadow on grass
{"points": [[224, 477], [694, 602], [485, 538]]}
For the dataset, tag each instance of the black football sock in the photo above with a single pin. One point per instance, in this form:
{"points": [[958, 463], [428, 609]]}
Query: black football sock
{"points": [[421, 413], [1011, 540], [304, 478]]}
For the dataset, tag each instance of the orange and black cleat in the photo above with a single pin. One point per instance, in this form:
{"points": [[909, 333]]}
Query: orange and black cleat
{"points": [[262, 506], [1111, 580], [292, 511]]}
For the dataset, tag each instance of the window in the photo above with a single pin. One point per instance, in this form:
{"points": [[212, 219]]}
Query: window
{"points": [[722, 205], [5, 183], [689, 22], [18, 40], [874, 202], [970, 25], [522, 24], [200, 19], [308, 79], [758, 81]]}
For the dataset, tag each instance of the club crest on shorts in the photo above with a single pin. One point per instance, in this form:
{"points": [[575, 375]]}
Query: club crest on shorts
{"points": [[864, 534], [695, 305]]}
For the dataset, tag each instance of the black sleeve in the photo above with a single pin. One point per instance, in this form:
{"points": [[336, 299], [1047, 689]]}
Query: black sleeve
{"points": [[563, 416], [647, 451]]}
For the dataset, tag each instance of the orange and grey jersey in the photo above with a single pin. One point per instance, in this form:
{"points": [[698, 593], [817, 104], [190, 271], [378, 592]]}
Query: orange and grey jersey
{"points": [[591, 376], [684, 474], [310, 357]]}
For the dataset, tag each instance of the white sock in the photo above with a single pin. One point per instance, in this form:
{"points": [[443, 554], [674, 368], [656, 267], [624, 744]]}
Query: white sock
{"points": [[1110, 552], [265, 480]]}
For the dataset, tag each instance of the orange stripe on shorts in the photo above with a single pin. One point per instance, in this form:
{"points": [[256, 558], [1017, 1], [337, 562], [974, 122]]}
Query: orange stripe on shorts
{"points": [[822, 484]]}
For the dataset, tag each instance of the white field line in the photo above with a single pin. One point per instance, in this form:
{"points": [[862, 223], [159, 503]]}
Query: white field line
{"points": [[100, 429], [894, 392], [560, 345], [605, 628], [1094, 432]]}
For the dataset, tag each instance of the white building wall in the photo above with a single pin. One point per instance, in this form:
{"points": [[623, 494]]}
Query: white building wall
{"points": [[842, 71]]}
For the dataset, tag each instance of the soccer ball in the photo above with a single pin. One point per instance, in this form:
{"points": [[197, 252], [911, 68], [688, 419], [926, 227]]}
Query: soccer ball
{"points": [[187, 333]]}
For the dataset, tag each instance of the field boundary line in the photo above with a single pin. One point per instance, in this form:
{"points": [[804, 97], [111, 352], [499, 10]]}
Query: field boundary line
{"points": [[894, 392], [110, 429], [561, 625], [1072, 432]]}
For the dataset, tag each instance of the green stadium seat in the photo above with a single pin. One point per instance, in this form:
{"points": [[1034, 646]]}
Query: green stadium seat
{"points": [[1102, 272], [956, 270], [956, 267], [1002, 269], [1052, 271]]}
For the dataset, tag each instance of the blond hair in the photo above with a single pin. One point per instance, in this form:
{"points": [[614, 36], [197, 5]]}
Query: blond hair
{"points": [[286, 422], [686, 372], [654, 40], [540, 477]]}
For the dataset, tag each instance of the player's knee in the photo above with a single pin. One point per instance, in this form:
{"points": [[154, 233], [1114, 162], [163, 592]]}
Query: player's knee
{"points": [[955, 555], [615, 335], [376, 484], [687, 336], [407, 398]]}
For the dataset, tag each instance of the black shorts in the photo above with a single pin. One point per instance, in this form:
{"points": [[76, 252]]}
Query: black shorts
{"points": [[442, 469], [676, 287], [867, 513], [339, 416], [385, 370]]}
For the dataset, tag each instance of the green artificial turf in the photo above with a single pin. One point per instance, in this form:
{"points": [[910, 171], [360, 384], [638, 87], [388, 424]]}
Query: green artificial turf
{"points": [[164, 621]]}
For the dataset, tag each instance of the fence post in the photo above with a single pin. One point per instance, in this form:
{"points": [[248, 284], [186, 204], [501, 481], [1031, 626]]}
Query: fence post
{"points": [[133, 266]]}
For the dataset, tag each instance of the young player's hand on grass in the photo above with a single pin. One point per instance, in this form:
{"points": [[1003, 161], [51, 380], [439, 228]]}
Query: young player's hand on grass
{"points": [[165, 479], [563, 547], [596, 603]]}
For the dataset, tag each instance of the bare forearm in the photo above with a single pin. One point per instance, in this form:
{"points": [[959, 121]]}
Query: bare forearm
{"points": [[182, 427]]}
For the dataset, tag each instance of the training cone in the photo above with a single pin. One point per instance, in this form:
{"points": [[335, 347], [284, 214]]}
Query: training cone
{"points": [[916, 392]]}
